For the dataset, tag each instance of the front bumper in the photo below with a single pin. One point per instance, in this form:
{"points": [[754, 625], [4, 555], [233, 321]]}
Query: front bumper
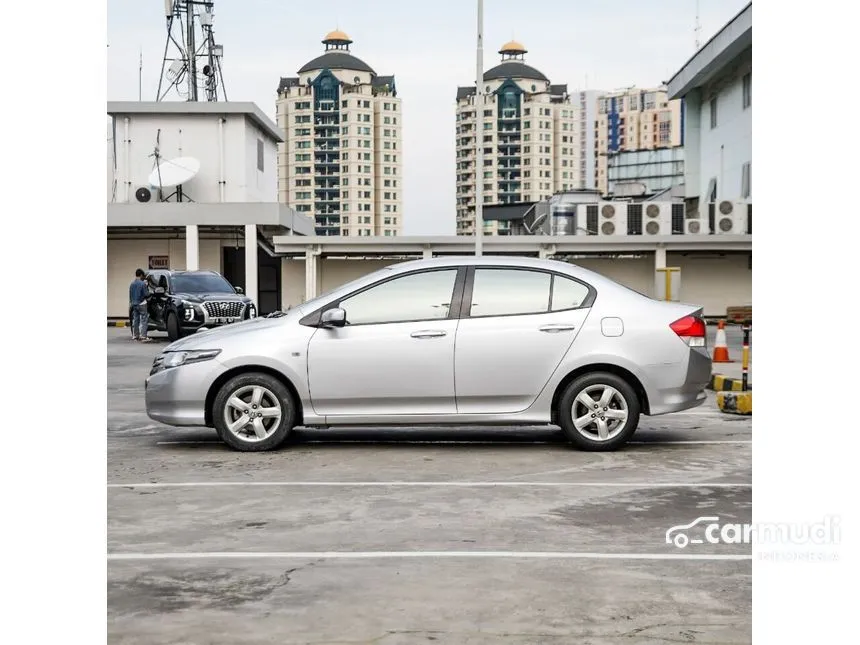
{"points": [[177, 396]]}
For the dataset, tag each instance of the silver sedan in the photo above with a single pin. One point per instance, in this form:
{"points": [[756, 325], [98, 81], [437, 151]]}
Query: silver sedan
{"points": [[456, 341]]}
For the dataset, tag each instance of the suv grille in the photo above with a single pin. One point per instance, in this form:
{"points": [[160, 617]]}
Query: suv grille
{"points": [[224, 309]]}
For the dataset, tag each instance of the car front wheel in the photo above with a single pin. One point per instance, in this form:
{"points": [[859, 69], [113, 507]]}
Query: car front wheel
{"points": [[599, 411], [253, 412]]}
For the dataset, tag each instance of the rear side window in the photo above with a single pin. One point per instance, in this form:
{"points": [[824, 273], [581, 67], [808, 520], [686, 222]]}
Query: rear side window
{"points": [[567, 293], [508, 292]]}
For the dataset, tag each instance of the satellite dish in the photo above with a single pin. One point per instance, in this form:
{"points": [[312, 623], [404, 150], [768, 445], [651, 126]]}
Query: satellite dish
{"points": [[142, 194], [173, 172]]}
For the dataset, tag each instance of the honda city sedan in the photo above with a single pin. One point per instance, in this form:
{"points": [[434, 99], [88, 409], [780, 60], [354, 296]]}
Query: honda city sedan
{"points": [[444, 341]]}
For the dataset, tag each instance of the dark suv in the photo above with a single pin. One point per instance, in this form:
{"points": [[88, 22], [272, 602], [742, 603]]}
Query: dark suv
{"points": [[181, 302]]}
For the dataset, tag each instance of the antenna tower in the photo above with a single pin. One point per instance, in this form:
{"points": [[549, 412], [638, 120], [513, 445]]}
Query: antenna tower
{"points": [[698, 28], [192, 60]]}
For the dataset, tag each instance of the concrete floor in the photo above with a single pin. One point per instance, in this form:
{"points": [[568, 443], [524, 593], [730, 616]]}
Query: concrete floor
{"points": [[361, 536]]}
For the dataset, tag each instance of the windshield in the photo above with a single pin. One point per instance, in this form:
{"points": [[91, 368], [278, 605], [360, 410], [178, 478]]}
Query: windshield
{"points": [[201, 283]]}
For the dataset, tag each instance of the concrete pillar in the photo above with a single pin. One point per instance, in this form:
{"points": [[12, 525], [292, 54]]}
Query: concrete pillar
{"points": [[660, 258], [547, 251], [192, 247], [251, 262], [311, 272], [428, 253]]}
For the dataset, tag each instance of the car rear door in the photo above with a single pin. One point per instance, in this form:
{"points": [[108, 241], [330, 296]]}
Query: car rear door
{"points": [[395, 356], [516, 326]]}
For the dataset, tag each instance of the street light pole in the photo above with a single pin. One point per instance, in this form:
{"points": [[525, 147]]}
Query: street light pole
{"points": [[479, 135]]}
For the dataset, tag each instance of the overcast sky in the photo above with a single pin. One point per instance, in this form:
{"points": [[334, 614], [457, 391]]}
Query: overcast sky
{"points": [[430, 48]]}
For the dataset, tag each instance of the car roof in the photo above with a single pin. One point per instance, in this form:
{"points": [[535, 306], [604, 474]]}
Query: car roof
{"points": [[558, 266]]}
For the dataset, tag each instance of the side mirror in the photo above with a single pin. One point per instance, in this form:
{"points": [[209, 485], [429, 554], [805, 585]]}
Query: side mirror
{"points": [[333, 318], [239, 290]]}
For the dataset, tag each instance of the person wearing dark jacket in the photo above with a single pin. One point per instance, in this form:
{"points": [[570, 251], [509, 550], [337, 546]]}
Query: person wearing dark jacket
{"points": [[138, 295]]}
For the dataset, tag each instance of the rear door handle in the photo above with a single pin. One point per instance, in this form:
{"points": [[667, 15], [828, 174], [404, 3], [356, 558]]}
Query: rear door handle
{"points": [[554, 329], [430, 333]]}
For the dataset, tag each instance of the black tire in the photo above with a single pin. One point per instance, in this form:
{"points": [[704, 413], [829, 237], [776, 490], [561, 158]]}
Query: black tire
{"points": [[174, 331], [588, 438], [277, 435]]}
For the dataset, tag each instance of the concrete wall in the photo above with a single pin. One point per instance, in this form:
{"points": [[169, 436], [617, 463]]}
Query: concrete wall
{"points": [[714, 282], [195, 135], [332, 274], [125, 256]]}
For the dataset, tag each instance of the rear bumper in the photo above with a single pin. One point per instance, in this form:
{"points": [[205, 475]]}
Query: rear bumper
{"points": [[680, 386]]}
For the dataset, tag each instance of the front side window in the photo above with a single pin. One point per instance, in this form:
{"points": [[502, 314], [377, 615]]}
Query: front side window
{"points": [[507, 292], [420, 296]]}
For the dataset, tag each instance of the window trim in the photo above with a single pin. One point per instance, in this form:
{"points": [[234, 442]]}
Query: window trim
{"points": [[466, 304], [313, 319]]}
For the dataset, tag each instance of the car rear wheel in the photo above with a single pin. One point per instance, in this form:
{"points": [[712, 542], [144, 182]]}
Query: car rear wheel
{"points": [[599, 411], [253, 412]]}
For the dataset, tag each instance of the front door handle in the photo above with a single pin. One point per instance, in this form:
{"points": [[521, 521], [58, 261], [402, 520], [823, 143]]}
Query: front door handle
{"points": [[554, 329], [430, 333]]}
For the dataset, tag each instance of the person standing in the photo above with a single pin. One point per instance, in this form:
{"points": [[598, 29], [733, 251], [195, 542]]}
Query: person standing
{"points": [[137, 298]]}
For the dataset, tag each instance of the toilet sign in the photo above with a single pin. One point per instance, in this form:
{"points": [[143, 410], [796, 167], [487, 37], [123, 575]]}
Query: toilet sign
{"points": [[159, 262]]}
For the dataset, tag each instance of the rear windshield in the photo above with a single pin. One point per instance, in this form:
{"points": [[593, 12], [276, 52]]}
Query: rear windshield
{"points": [[201, 283]]}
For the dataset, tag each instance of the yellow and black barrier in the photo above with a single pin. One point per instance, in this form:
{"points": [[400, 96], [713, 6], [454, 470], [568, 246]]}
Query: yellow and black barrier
{"points": [[720, 383], [735, 396], [735, 402]]}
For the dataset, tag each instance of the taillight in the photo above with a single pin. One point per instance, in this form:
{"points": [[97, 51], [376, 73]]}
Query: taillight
{"points": [[691, 329]]}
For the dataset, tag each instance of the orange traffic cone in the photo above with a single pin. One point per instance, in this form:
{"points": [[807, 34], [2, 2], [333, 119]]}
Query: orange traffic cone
{"points": [[721, 349]]}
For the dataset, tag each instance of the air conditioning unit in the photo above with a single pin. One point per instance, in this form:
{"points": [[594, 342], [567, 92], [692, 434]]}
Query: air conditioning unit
{"points": [[612, 218], [144, 194], [695, 226], [658, 219], [730, 218]]}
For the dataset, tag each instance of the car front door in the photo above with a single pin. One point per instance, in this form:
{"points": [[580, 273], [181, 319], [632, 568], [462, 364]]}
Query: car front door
{"points": [[158, 301], [516, 327], [395, 354]]}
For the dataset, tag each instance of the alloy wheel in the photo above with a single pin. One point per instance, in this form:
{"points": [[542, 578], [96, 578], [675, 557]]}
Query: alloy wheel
{"points": [[252, 413], [599, 412]]}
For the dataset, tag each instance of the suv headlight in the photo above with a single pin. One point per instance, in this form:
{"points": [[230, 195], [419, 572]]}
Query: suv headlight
{"points": [[190, 309], [167, 360]]}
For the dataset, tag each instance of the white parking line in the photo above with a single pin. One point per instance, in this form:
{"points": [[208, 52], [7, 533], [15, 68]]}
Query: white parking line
{"points": [[467, 442], [439, 484], [703, 442], [345, 555]]}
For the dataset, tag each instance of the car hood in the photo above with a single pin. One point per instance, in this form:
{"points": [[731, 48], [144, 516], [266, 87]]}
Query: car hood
{"points": [[212, 338], [207, 297]]}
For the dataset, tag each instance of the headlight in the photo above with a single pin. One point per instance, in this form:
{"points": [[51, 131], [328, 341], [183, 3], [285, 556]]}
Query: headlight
{"points": [[175, 359], [188, 308]]}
